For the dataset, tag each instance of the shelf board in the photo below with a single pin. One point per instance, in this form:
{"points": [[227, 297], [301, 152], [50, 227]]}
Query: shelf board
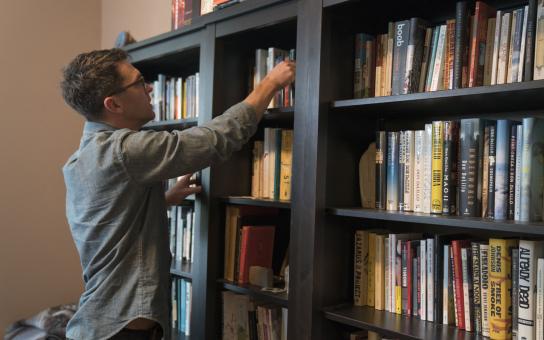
{"points": [[182, 270], [393, 325], [259, 202], [513, 97], [468, 223], [173, 124], [178, 335], [286, 114], [280, 299]]}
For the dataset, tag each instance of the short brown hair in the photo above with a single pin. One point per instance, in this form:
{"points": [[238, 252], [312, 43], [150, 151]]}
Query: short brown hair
{"points": [[90, 78]]}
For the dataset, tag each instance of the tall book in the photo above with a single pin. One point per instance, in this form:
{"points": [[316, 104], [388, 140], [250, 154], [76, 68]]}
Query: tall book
{"points": [[504, 48], [532, 178], [427, 167], [478, 44], [371, 266], [484, 284], [512, 172], [392, 170], [529, 253], [414, 55], [379, 273], [367, 177], [540, 299], [409, 164], [530, 40], [286, 164], [437, 171], [491, 170], [476, 287], [500, 285], [519, 153], [400, 52], [471, 145], [460, 61], [502, 161], [449, 166], [381, 169], [419, 166], [402, 168], [360, 270]]}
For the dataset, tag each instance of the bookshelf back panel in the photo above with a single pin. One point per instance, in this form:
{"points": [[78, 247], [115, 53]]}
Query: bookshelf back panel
{"points": [[181, 64]]}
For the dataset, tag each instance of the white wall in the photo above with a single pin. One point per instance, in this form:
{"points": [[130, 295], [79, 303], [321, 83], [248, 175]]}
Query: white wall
{"points": [[39, 265]]}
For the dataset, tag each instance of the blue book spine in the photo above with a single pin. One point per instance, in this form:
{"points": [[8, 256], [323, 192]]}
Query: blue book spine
{"points": [[392, 170], [502, 168]]}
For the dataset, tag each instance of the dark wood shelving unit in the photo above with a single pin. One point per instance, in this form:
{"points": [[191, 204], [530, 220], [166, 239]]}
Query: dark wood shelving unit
{"points": [[182, 270], [280, 299], [465, 223], [393, 325], [331, 131], [177, 335], [465, 101], [259, 202]]}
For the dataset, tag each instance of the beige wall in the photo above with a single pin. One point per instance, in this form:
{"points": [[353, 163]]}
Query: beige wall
{"points": [[39, 266], [142, 18]]}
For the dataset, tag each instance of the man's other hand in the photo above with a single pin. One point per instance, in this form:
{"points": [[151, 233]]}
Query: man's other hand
{"points": [[184, 187]]}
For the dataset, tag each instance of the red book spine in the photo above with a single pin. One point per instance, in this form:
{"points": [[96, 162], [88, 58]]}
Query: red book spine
{"points": [[458, 282], [256, 248]]}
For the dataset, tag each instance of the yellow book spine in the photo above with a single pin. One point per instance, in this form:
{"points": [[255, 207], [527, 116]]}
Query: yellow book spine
{"points": [[184, 104], [286, 164], [500, 286], [371, 273], [379, 273], [436, 167], [398, 299]]}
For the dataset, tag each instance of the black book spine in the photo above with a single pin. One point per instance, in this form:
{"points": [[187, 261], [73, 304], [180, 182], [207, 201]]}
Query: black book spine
{"points": [[381, 169], [512, 173], [405, 277], [461, 42], [416, 40], [491, 176], [530, 41], [446, 168], [476, 288], [400, 50], [469, 157]]}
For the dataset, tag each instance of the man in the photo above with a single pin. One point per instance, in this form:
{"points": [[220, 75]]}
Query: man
{"points": [[115, 202]]}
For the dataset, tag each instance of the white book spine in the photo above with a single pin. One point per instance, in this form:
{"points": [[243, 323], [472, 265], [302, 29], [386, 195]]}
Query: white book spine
{"points": [[267, 146], [522, 49], [438, 62], [430, 279], [409, 170], [517, 187], [418, 170], [423, 278], [445, 282], [540, 300], [427, 164], [504, 48], [496, 44], [466, 289], [484, 280], [529, 252], [387, 276]]}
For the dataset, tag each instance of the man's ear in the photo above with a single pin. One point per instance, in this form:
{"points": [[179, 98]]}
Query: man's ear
{"points": [[111, 104]]}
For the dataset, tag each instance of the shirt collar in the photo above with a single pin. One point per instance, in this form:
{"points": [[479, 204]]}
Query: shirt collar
{"points": [[90, 128]]}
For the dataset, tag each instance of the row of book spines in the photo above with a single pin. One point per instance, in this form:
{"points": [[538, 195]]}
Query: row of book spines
{"points": [[462, 168], [182, 294], [182, 235], [265, 61], [483, 287], [247, 319], [272, 165], [175, 97], [466, 51]]}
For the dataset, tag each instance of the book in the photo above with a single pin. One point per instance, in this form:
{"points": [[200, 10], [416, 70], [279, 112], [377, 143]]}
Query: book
{"points": [[367, 177], [392, 171], [532, 177], [484, 284], [381, 169], [529, 253], [360, 277], [437, 171], [257, 245], [400, 51], [460, 61], [471, 145], [502, 161], [286, 164]]}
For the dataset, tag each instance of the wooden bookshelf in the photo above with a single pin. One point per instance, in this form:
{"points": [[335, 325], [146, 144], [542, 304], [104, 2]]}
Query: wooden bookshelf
{"points": [[182, 270], [331, 130], [394, 325], [280, 299], [259, 202]]}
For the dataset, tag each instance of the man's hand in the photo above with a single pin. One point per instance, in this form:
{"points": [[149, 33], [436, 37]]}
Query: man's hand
{"points": [[280, 76], [181, 190]]}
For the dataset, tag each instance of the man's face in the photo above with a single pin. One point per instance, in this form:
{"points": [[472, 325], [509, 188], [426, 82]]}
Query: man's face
{"points": [[135, 99]]}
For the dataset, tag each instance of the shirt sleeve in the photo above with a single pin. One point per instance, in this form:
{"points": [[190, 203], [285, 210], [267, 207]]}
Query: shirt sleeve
{"points": [[151, 156]]}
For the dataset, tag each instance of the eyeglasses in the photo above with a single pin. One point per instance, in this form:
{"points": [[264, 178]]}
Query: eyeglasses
{"points": [[139, 81]]}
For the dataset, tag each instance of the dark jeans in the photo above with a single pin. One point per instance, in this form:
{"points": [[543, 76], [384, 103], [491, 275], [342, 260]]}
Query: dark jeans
{"points": [[154, 333]]}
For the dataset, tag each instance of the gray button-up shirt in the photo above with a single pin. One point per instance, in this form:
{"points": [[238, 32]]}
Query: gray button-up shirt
{"points": [[116, 209]]}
